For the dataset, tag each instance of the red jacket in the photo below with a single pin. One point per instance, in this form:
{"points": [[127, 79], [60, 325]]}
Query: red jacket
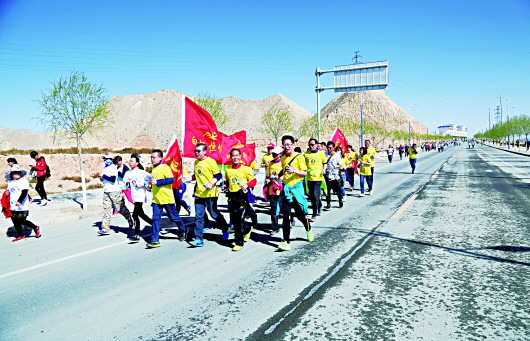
{"points": [[6, 205], [40, 166]]}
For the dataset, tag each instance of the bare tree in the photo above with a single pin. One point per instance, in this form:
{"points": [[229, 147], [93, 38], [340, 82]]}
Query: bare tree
{"points": [[73, 108], [214, 106], [276, 122]]}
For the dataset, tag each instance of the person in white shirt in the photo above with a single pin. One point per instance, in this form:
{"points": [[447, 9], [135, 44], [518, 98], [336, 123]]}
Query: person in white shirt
{"points": [[332, 175], [390, 153], [137, 179], [19, 202], [112, 195]]}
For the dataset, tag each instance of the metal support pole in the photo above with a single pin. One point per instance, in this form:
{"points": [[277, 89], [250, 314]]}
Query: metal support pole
{"points": [[361, 115], [317, 73]]}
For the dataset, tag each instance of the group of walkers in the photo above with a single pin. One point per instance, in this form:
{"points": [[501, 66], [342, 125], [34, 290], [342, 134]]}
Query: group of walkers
{"points": [[16, 200], [295, 181]]}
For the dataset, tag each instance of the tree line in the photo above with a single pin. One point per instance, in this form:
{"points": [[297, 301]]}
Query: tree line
{"points": [[516, 126]]}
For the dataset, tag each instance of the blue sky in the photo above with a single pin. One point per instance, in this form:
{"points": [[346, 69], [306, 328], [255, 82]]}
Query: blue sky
{"points": [[448, 60]]}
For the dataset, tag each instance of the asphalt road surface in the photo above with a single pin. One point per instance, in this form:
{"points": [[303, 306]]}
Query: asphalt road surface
{"points": [[442, 254]]}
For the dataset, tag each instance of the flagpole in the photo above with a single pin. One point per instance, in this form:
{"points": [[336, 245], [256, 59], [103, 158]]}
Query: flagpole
{"points": [[183, 118]]}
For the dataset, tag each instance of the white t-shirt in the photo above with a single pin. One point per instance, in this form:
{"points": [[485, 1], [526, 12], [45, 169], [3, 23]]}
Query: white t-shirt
{"points": [[15, 188], [390, 151], [137, 177], [109, 186]]}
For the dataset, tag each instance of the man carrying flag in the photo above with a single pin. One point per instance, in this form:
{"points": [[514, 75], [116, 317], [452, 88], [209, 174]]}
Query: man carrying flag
{"points": [[206, 174]]}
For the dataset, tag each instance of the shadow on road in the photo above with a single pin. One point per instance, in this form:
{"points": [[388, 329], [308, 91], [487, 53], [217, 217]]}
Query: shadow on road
{"points": [[462, 252]]}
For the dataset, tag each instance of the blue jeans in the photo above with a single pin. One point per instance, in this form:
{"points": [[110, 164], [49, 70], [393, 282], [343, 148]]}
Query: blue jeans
{"points": [[413, 164], [368, 181], [157, 215], [210, 204]]}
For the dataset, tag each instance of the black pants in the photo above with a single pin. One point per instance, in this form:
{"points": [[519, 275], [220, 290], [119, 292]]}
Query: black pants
{"points": [[351, 176], [239, 208], [39, 187], [20, 219], [139, 212], [286, 210], [273, 200], [314, 195], [390, 158], [335, 186]]}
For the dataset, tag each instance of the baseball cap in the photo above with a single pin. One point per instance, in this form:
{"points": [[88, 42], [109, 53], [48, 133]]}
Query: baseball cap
{"points": [[107, 156], [270, 146], [277, 150]]}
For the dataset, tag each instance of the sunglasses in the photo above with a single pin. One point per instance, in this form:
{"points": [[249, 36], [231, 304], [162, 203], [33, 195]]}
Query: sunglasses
{"points": [[312, 145], [197, 150]]}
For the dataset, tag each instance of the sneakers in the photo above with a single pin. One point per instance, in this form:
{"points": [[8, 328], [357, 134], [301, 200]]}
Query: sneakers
{"points": [[164, 231], [341, 203], [103, 233], [188, 210], [274, 232], [344, 198], [134, 239], [207, 228], [44, 202], [237, 248], [19, 238], [197, 243], [293, 221], [225, 236], [310, 236], [152, 245], [312, 219], [246, 237], [284, 246], [183, 235], [131, 224], [327, 208], [371, 192], [361, 195], [37, 232]]}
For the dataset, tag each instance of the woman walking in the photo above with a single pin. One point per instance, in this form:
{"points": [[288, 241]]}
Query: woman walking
{"points": [[365, 162], [136, 179], [19, 202]]}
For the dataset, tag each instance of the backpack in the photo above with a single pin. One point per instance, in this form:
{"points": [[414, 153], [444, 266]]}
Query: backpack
{"points": [[48, 173]]}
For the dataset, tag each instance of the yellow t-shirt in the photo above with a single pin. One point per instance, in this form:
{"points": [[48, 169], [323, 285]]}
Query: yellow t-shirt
{"points": [[204, 171], [164, 194], [298, 164], [350, 158], [266, 159], [254, 165], [366, 169], [238, 176], [273, 169], [315, 164], [371, 151], [413, 153]]}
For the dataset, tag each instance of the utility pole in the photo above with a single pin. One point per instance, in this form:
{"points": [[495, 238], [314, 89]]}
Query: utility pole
{"points": [[508, 119], [489, 118], [500, 101]]}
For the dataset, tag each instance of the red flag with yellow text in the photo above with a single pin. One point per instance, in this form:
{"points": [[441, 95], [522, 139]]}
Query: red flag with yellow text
{"points": [[173, 159], [200, 128], [236, 140], [339, 139], [248, 153]]}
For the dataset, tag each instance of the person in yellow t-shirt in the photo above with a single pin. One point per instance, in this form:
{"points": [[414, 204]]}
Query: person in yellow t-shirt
{"points": [[350, 157], [273, 186], [206, 173], [293, 194], [268, 156], [365, 164], [240, 179], [315, 161], [371, 152], [413, 156], [163, 199]]}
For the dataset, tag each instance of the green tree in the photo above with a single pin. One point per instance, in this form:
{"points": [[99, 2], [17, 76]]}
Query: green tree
{"points": [[73, 108], [214, 107], [309, 127], [276, 122]]}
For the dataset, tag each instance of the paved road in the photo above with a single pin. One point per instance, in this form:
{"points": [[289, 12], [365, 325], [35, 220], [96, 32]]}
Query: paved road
{"points": [[441, 254]]}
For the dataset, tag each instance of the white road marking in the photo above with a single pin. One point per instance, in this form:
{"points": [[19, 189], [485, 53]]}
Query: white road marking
{"points": [[58, 260]]}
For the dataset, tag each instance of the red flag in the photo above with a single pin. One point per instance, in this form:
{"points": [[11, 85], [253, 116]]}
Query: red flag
{"points": [[201, 128], [173, 159], [236, 140], [339, 139], [248, 154]]}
